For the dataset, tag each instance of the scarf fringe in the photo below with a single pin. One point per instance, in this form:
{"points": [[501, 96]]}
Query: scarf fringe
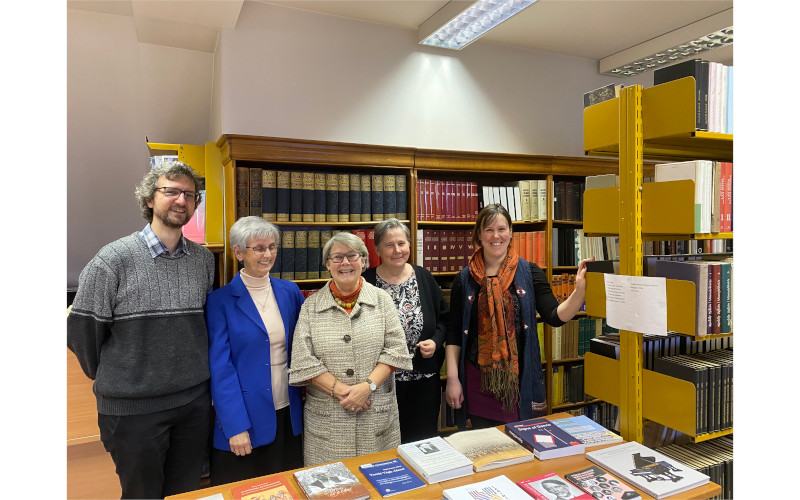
{"points": [[504, 385]]}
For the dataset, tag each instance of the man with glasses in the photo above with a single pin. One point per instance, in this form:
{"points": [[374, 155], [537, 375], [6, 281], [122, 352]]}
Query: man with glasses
{"points": [[138, 330]]}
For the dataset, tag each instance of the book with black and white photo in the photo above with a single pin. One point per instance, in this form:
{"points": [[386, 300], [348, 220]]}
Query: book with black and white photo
{"points": [[435, 459], [331, 481], [650, 471]]}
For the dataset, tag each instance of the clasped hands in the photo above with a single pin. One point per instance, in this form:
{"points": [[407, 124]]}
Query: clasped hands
{"points": [[353, 398]]}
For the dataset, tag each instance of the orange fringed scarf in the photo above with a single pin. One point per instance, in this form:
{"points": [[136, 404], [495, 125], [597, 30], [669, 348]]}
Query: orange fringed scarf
{"points": [[497, 340]]}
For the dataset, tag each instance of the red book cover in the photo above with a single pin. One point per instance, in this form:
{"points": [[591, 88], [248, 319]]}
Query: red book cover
{"points": [[449, 210], [453, 257], [555, 285], [530, 241], [466, 237], [435, 251], [541, 244], [275, 486], [727, 212], [374, 260], [551, 485], [427, 194], [436, 206], [420, 207], [463, 198]]}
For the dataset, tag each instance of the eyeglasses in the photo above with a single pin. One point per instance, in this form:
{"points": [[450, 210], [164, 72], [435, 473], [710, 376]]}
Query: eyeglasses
{"points": [[262, 249], [171, 192], [338, 258]]}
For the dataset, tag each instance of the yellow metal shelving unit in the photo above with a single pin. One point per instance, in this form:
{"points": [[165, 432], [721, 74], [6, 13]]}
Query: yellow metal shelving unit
{"points": [[657, 123]]}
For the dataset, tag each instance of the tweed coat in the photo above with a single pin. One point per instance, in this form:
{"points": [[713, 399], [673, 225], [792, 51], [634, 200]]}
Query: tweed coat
{"points": [[327, 339]]}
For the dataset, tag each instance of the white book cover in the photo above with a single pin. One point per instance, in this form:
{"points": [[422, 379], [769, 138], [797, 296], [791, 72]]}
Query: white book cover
{"points": [[420, 248], [533, 189], [542, 199], [489, 448], [648, 470], [435, 459], [496, 488], [487, 195], [500, 196], [517, 204], [699, 171]]}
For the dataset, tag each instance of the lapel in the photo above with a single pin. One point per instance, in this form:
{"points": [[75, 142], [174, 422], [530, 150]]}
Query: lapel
{"points": [[245, 302]]}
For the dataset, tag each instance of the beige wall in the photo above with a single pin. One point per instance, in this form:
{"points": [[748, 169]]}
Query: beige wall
{"points": [[118, 92]]}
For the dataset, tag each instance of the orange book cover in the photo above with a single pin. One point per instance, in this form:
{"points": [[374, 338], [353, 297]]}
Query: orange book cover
{"points": [[530, 240], [564, 286], [556, 286], [541, 243], [273, 487]]}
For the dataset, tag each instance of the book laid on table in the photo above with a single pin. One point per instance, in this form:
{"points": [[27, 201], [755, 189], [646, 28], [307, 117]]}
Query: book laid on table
{"points": [[551, 485], [331, 481], [545, 439], [601, 484], [391, 477], [648, 470], [274, 486], [589, 432], [435, 459], [489, 448], [496, 488]]}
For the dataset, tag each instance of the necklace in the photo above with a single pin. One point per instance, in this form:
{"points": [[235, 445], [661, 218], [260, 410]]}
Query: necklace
{"points": [[346, 305], [263, 306]]}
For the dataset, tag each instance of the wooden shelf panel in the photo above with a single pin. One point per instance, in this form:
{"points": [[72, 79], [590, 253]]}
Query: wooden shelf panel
{"points": [[666, 400], [668, 212], [669, 133], [681, 307]]}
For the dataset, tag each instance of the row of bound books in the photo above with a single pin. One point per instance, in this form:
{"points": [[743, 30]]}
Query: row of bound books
{"points": [[656, 346], [573, 338], [568, 384], [568, 200], [570, 246], [687, 247], [443, 250], [300, 253], [713, 457], [447, 201], [531, 246], [297, 196], [525, 200]]}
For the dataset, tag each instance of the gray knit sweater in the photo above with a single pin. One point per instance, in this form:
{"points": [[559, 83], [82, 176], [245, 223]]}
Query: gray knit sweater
{"points": [[137, 326]]}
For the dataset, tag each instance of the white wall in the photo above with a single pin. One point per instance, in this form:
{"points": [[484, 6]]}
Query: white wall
{"points": [[290, 73], [118, 92]]}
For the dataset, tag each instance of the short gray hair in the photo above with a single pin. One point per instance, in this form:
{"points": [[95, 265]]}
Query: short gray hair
{"points": [[347, 239], [381, 228], [252, 227], [171, 170]]}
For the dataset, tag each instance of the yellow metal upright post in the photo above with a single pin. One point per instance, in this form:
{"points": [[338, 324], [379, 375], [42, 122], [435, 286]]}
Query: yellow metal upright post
{"points": [[630, 252]]}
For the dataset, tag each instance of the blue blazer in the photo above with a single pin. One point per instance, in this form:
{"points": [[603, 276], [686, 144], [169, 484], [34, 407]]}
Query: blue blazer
{"points": [[238, 356]]}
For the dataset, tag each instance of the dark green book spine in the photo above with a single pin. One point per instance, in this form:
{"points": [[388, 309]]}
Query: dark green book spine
{"points": [[377, 197], [319, 197], [400, 197], [300, 255], [269, 195], [296, 197], [314, 253], [287, 255], [344, 198], [366, 198], [308, 197], [332, 197], [282, 191], [355, 198], [389, 200]]}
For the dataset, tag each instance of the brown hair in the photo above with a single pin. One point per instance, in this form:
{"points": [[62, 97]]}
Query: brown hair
{"points": [[486, 216]]}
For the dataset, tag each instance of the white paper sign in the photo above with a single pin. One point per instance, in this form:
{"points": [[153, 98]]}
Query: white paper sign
{"points": [[636, 303]]}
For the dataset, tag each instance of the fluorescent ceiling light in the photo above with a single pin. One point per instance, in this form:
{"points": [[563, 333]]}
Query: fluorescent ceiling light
{"points": [[684, 43], [458, 24]]}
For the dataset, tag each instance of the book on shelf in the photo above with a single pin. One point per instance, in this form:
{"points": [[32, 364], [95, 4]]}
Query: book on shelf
{"points": [[551, 486], [542, 198], [242, 175], [648, 470], [435, 459], [295, 196], [604, 93], [701, 172], [389, 197], [698, 69], [344, 197], [378, 210], [355, 198], [308, 197], [332, 480], [489, 448], [273, 486], [269, 199], [320, 203], [282, 194], [300, 255], [589, 432], [332, 197], [545, 439], [496, 488], [601, 181], [314, 254], [401, 202], [366, 198], [391, 477], [600, 484], [286, 252], [324, 236]]}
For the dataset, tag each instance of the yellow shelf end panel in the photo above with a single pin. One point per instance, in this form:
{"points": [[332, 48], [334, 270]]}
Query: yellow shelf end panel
{"points": [[601, 127], [681, 304], [669, 401], [601, 211], [668, 207], [194, 156], [601, 377], [214, 196], [669, 109]]}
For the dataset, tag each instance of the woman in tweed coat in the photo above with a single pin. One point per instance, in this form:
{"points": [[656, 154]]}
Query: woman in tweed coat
{"points": [[347, 343]]}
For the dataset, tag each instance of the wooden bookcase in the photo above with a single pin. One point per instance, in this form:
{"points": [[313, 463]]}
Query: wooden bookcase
{"points": [[656, 123], [416, 164]]}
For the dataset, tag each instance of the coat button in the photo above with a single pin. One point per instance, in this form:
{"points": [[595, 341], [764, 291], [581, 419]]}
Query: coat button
{"points": [[347, 338], [349, 372]]}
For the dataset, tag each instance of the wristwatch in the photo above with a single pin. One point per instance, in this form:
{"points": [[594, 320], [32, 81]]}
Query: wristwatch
{"points": [[372, 385]]}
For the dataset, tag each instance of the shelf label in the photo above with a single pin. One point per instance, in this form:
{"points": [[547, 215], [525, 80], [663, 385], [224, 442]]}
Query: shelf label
{"points": [[636, 303]]}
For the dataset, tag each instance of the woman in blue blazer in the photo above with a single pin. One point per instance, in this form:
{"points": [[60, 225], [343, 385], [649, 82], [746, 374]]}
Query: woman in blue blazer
{"points": [[251, 321]]}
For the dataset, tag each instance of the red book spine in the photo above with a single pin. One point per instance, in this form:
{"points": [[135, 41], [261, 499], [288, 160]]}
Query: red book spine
{"points": [[427, 238], [420, 208], [727, 213], [435, 200], [474, 198], [449, 211]]}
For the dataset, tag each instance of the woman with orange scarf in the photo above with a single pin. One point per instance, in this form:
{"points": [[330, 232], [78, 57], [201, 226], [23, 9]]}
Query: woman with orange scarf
{"points": [[494, 372]]}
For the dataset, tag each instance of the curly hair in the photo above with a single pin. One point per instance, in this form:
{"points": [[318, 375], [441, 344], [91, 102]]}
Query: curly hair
{"points": [[147, 188]]}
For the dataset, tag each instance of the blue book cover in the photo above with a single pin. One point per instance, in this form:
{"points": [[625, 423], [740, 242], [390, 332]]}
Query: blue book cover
{"points": [[545, 439], [588, 431], [391, 477]]}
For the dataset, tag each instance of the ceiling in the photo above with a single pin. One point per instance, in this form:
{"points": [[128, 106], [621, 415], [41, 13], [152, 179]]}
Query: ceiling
{"points": [[590, 29]]}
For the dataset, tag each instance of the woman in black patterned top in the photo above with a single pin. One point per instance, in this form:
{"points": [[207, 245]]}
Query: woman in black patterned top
{"points": [[423, 313]]}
